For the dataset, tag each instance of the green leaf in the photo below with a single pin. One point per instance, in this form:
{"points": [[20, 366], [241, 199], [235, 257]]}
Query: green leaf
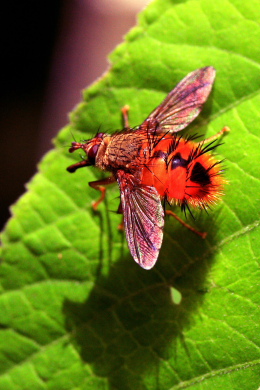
{"points": [[76, 311]]}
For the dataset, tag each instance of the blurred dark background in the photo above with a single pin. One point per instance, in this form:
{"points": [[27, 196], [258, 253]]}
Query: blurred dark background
{"points": [[51, 50]]}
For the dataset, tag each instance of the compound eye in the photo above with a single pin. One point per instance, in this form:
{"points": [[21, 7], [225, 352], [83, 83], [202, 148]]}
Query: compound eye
{"points": [[92, 152]]}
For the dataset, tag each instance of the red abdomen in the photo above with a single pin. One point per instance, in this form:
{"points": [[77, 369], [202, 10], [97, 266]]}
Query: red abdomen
{"points": [[183, 172]]}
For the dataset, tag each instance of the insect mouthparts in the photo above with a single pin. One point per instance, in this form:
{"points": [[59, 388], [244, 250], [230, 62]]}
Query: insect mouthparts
{"points": [[75, 146]]}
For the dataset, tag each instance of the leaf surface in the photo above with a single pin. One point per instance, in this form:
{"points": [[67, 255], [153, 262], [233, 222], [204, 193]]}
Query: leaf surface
{"points": [[76, 312]]}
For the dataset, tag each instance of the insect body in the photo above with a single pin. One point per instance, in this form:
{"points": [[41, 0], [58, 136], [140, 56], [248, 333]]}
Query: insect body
{"points": [[151, 163]]}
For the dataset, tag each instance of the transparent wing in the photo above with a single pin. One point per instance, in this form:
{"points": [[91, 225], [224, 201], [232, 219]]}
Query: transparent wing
{"points": [[184, 102], [143, 219]]}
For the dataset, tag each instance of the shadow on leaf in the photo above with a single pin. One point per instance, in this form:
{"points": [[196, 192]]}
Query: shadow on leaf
{"points": [[130, 325]]}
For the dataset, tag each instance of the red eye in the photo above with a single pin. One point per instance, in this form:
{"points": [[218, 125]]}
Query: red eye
{"points": [[92, 152]]}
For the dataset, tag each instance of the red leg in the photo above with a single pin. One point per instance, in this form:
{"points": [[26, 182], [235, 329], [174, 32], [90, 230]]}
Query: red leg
{"points": [[125, 111], [84, 163], [99, 185], [121, 226], [225, 129], [201, 234]]}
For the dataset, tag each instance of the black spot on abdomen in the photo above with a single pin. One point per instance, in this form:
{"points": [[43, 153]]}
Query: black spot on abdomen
{"points": [[178, 161], [200, 175], [160, 154]]}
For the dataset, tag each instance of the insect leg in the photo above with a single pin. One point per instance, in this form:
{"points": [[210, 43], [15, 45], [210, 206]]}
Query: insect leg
{"points": [[201, 234], [225, 129], [99, 186], [84, 163], [121, 226], [125, 111]]}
